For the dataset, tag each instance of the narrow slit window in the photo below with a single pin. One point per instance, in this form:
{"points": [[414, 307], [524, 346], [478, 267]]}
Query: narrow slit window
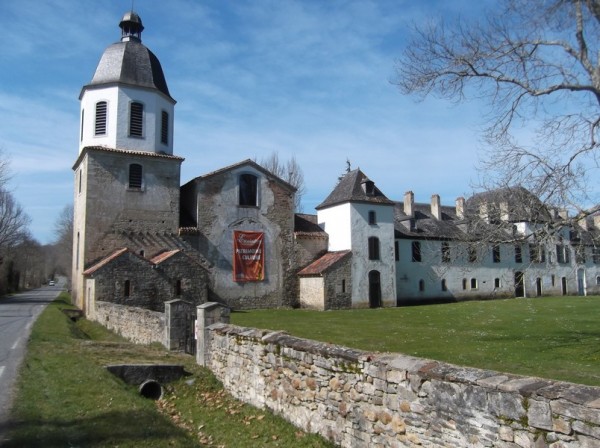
{"points": [[164, 130], [127, 288], [136, 120]]}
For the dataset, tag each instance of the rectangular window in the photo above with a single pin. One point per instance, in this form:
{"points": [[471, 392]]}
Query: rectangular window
{"points": [[444, 286], [472, 254], [372, 218], [473, 283], [136, 120], [562, 254], [135, 176], [396, 251], [496, 253], [496, 283], [416, 251], [518, 254], [464, 283], [373, 248], [445, 252], [82, 121], [164, 130], [248, 189], [101, 113]]}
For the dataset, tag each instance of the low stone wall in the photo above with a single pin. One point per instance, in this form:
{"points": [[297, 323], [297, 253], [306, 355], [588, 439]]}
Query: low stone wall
{"points": [[136, 324], [360, 399]]}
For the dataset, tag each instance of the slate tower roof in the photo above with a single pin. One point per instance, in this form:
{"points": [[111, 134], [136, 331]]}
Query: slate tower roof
{"points": [[355, 186], [129, 61]]}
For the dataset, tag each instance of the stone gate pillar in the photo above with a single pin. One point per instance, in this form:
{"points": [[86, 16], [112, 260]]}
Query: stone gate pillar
{"points": [[208, 313]]}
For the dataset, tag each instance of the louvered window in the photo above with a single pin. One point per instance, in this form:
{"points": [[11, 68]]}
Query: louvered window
{"points": [[135, 176], [100, 128], [136, 120], [164, 131]]}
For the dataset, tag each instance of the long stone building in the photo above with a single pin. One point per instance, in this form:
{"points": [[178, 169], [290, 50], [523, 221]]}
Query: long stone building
{"points": [[141, 238]]}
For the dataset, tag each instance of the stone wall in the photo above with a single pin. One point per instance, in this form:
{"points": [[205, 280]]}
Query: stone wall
{"points": [[136, 324], [359, 399]]}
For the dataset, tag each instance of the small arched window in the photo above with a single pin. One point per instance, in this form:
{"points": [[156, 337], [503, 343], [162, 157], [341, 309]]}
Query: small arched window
{"points": [[248, 189], [136, 120], [101, 118], [421, 285], [135, 175]]}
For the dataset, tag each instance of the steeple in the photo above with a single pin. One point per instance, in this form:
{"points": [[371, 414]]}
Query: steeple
{"points": [[131, 27]]}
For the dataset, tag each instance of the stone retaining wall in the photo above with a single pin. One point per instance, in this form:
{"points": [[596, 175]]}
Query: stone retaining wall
{"points": [[136, 324], [360, 399]]}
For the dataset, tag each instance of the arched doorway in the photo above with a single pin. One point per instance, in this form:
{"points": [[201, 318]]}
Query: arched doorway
{"points": [[374, 289]]}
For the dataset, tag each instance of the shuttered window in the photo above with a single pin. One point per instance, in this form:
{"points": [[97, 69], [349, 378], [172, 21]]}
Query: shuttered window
{"points": [[136, 120], [100, 125], [164, 130], [135, 175]]}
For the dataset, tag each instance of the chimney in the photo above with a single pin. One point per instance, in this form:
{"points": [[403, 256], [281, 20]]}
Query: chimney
{"points": [[504, 212], [409, 201], [597, 221], [436, 210], [460, 207]]}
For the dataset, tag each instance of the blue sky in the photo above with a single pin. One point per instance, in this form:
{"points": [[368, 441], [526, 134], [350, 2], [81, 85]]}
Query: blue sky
{"points": [[304, 78]]}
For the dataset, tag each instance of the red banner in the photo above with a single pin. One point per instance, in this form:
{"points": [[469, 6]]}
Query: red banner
{"points": [[248, 256]]}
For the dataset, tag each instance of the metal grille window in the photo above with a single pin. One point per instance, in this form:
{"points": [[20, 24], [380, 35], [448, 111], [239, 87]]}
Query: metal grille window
{"points": [[164, 130], [135, 175], [136, 120], [101, 114]]}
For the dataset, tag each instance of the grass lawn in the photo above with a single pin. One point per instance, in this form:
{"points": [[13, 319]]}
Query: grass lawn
{"points": [[554, 337], [66, 398]]}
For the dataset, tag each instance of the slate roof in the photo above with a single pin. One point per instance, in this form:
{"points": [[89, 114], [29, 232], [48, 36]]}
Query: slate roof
{"points": [[306, 225], [522, 205], [130, 62], [351, 189], [319, 266], [424, 225]]}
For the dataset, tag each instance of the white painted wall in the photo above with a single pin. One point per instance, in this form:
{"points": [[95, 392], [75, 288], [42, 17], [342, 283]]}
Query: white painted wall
{"points": [[337, 223], [118, 100]]}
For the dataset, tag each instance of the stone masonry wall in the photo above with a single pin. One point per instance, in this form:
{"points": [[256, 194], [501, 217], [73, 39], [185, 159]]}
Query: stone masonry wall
{"points": [[359, 399], [136, 324]]}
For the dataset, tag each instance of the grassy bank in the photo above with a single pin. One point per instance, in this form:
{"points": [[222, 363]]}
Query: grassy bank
{"points": [[67, 399], [557, 338]]}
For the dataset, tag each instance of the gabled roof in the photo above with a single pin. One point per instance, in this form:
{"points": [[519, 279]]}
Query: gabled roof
{"points": [[247, 162], [157, 259], [320, 265], [106, 260], [353, 188]]}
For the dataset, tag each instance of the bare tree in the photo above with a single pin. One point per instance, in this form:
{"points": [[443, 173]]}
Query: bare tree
{"points": [[289, 171], [13, 221], [536, 65], [63, 230]]}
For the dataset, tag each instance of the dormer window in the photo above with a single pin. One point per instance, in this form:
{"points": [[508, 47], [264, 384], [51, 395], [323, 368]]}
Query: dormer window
{"points": [[101, 115], [136, 120], [248, 189], [369, 187]]}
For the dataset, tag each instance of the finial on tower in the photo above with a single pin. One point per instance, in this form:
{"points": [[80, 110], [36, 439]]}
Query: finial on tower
{"points": [[131, 26]]}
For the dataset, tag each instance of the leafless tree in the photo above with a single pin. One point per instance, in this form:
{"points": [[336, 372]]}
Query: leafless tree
{"points": [[535, 63], [63, 230], [289, 171], [13, 221]]}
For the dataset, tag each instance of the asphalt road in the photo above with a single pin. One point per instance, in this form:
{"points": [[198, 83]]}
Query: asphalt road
{"points": [[17, 314]]}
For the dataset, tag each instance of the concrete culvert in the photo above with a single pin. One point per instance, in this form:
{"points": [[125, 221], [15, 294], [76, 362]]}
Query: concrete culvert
{"points": [[151, 389]]}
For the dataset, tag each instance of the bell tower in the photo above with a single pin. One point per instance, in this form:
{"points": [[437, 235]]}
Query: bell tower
{"points": [[127, 179]]}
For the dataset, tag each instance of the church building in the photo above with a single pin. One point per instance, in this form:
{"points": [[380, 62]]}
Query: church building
{"points": [[142, 239]]}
